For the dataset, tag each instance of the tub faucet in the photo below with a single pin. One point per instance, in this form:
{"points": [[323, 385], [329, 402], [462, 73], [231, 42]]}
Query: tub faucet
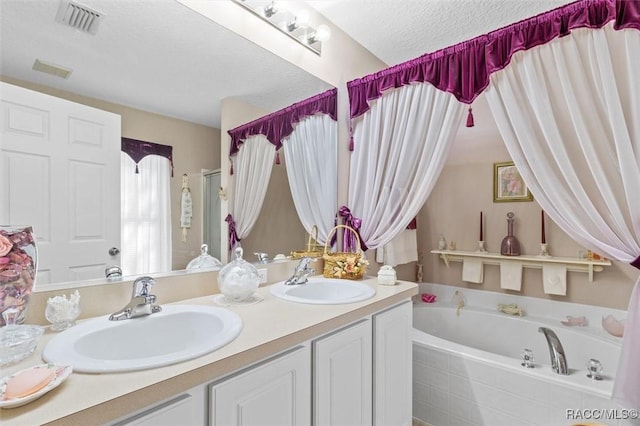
{"points": [[458, 301], [301, 273], [262, 257], [142, 302], [556, 351]]}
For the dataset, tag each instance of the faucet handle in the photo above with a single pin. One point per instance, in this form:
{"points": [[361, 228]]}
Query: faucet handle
{"points": [[142, 286], [594, 369], [527, 358]]}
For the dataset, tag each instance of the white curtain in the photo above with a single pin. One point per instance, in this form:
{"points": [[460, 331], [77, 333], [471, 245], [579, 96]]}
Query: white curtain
{"points": [[146, 215], [252, 169], [311, 156], [569, 112], [401, 145]]}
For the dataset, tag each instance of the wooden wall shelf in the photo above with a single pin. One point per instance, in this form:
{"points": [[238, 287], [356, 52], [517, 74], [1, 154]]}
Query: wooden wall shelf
{"points": [[528, 261]]}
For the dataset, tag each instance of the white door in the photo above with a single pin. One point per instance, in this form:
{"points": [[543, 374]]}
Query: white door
{"points": [[342, 377], [274, 393], [61, 174], [392, 358]]}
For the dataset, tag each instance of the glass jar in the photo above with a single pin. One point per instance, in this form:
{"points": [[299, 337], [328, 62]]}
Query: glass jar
{"points": [[18, 265], [238, 279], [204, 262]]}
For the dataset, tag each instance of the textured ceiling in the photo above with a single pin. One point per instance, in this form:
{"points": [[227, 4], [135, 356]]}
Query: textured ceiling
{"points": [[398, 30], [160, 56]]}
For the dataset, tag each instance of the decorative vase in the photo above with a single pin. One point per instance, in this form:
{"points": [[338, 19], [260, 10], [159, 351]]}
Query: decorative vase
{"points": [[18, 265], [510, 245]]}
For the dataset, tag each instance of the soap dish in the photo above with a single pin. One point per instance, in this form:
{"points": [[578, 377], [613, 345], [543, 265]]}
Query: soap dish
{"points": [[61, 374], [221, 300]]}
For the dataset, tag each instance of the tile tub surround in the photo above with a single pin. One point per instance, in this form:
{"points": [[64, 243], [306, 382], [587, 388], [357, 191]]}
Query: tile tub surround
{"points": [[454, 384], [269, 327]]}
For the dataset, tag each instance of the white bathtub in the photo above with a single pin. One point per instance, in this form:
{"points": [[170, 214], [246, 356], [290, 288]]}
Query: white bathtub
{"points": [[466, 368]]}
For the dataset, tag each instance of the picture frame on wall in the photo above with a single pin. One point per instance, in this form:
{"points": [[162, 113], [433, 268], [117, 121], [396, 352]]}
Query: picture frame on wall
{"points": [[508, 184]]}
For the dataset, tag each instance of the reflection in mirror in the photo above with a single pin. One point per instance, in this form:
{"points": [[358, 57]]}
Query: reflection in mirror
{"points": [[307, 133], [145, 71]]}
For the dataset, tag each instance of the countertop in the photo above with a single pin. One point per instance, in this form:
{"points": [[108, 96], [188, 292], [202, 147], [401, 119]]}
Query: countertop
{"points": [[269, 327]]}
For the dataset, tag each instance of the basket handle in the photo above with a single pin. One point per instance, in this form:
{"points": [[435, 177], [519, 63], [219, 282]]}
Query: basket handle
{"points": [[346, 227], [315, 240]]}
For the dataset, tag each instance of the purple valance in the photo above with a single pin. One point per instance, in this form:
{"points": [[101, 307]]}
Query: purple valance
{"points": [[137, 150], [278, 125], [464, 69]]}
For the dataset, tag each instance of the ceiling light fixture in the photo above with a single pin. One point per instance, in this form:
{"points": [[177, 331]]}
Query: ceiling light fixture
{"points": [[295, 25]]}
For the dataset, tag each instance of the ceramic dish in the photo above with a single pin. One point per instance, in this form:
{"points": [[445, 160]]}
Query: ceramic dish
{"points": [[62, 372]]}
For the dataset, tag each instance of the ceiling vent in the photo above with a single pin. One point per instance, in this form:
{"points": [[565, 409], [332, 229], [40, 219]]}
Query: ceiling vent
{"points": [[56, 70], [79, 16]]}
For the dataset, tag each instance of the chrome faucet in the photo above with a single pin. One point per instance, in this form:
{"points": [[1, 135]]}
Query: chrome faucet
{"points": [[262, 257], [301, 273], [142, 302], [556, 351]]}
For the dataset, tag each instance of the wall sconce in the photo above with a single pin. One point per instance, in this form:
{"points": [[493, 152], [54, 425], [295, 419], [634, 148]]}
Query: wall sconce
{"points": [[295, 25]]}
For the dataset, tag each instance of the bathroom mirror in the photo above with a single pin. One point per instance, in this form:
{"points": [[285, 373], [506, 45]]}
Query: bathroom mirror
{"points": [[134, 57]]}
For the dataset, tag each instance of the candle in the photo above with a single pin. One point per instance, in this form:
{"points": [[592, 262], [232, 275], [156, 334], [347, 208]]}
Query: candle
{"points": [[544, 240], [481, 228]]}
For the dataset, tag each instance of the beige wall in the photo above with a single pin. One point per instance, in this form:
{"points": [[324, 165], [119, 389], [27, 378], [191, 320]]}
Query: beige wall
{"points": [[196, 147], [278, 228], [465, 188]]}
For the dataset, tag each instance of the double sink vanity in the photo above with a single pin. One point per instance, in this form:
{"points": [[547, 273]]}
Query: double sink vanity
{"points": [[325, 352]]}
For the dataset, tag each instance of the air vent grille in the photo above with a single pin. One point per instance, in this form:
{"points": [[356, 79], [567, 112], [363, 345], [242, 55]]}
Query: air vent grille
{"points": [[79, 16]]}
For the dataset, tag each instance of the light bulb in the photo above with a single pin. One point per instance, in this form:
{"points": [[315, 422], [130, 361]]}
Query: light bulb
{"points": [[302, 18], [323, 33]]}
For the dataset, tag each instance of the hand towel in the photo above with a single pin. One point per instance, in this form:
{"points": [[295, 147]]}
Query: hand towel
{"points": [[511, 275], [402, 249], [554, 278], [472, 270]]}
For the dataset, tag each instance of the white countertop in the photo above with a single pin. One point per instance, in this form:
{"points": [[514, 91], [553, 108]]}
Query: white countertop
{"points": [[269, 327]]}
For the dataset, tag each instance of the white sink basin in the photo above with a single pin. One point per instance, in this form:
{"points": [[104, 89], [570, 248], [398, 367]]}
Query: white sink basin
{"points": [[324, 291], [177, 333]]}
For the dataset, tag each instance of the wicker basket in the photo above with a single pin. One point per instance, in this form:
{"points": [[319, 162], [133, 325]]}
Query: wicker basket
{"points": [[312, 247], [344, 265]]}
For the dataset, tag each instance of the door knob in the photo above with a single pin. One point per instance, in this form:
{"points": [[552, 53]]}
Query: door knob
{"points": [[114, 251]]}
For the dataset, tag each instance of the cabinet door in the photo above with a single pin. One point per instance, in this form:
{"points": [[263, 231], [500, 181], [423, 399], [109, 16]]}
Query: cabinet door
{"points": [[392, 366], [187, 409], [276, 392], [342, 377]]}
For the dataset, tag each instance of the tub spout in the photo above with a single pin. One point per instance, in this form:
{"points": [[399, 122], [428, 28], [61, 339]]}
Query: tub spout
{"points": [[556, 351]]}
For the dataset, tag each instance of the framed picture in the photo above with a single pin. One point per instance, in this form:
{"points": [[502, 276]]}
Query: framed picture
{"points": [[508, 185]]}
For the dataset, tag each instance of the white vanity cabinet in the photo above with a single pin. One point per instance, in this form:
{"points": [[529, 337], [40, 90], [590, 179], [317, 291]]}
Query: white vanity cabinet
{"points": [[392, 356], [274, 392], [186, 409], [359, 374], [342, 383]]}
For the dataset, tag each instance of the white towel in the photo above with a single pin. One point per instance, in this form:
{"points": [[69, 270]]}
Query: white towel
{"points": [[402, 249], [472, 270], [554, 278], [511, 275]]}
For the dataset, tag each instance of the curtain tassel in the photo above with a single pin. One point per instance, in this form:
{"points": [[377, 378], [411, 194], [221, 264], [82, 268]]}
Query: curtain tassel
{"points": [[231, 169], [277, 157], [351, 143], [137, 171], [470, 118]]}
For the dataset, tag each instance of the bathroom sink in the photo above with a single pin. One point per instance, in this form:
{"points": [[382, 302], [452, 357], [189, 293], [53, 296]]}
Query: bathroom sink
{"points": [[324, 291], [177, 333]]}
